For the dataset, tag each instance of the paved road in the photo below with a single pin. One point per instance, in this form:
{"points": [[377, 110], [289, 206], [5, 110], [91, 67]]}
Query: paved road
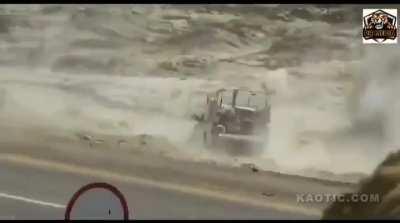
{"points": [[29, 193]]}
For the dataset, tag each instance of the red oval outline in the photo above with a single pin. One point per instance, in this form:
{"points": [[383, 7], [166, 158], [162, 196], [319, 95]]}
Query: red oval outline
{"points": [[90, 186]]}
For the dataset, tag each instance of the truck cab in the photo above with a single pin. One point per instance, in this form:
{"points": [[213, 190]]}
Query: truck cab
{"points": [[237, 114]]}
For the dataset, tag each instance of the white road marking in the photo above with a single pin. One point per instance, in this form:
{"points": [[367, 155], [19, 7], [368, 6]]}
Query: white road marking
{"points": [[74, 169], [33, 201]]}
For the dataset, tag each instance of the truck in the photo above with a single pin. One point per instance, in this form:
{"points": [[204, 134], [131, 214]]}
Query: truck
{"points": [[236, 119]]}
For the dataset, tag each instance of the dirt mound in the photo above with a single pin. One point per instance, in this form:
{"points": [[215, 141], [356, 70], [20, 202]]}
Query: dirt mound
{"points": [[155, 144], [384, 183]]}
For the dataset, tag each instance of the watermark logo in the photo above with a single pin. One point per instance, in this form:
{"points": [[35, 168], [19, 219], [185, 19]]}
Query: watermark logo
{"points": [[326, 198], [379, 26]]}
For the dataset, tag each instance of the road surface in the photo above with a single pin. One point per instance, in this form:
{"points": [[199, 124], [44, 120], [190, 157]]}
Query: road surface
{"points": [[33, 193]]}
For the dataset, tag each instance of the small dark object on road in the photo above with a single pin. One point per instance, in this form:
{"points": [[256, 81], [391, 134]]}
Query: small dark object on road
{"points": [[251, 166], [254, 169], [267, 194]]}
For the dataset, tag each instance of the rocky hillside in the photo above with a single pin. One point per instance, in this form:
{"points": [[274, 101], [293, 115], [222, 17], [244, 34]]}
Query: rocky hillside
{"points": [[193, 40]]}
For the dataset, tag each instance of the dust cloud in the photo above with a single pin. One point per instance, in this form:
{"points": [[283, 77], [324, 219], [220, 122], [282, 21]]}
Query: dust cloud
{"points": [[355, 138]]}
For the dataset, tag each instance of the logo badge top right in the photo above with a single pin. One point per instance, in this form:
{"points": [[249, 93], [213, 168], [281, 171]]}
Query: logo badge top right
{"points": [[379, 26]]}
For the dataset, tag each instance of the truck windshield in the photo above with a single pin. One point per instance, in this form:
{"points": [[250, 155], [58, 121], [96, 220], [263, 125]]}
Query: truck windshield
{"points": [[244, 99], [257, 101]]}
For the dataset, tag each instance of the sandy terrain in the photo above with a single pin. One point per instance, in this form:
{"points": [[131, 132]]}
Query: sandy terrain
{"points": [[131, 77]]}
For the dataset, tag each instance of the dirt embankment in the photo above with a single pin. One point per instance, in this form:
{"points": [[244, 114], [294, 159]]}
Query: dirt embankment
{"points": [[382, 190]]}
